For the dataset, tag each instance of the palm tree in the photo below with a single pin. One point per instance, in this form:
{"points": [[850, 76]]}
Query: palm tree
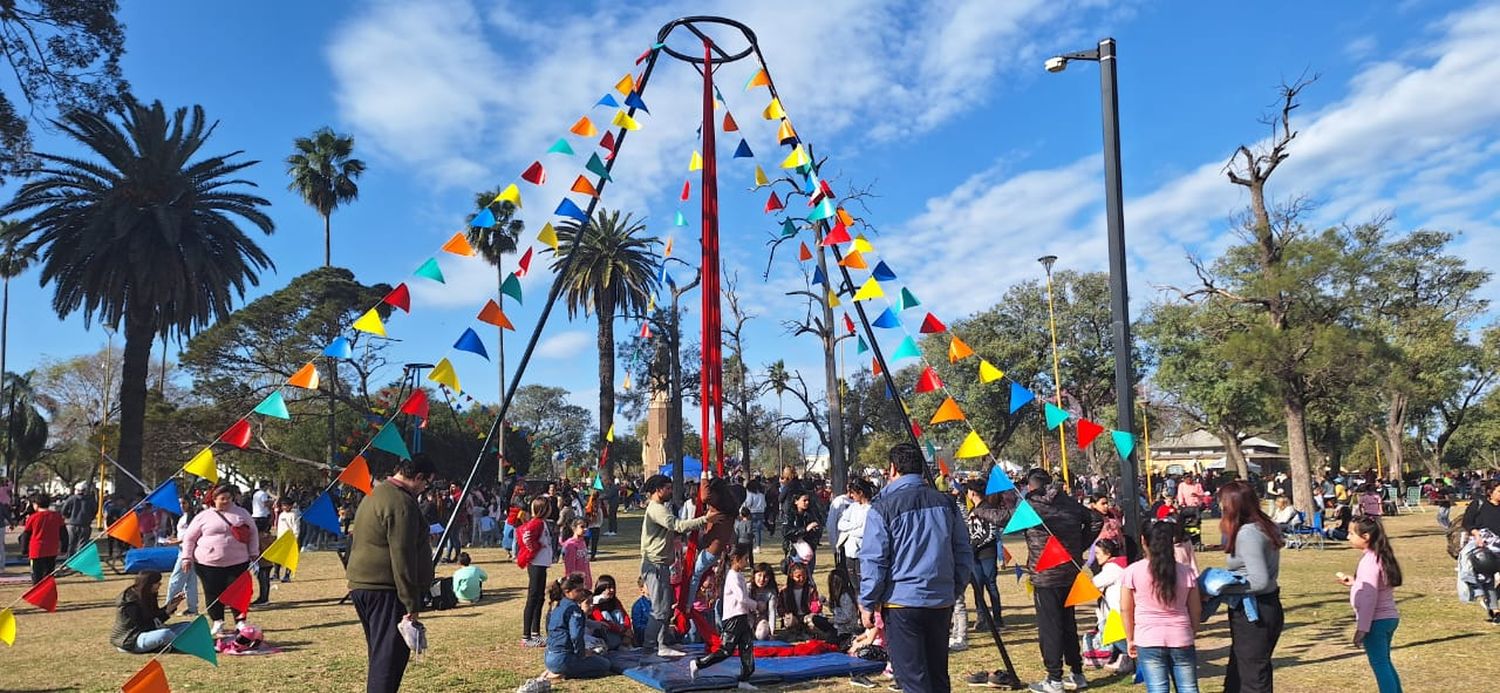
{"points": [[26, 428], [145, 235], [323, 173], [493, 243], [614, 273], [13, 262], [777, 375]]}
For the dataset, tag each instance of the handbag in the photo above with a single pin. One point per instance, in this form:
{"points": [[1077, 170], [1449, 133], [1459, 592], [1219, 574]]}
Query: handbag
{"points": [[242, 533]]}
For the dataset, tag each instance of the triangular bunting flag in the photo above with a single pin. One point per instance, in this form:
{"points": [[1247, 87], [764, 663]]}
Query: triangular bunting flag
{"points": [[86, 561], [848, 324], [1024, 517], [370, 322], [760, 177], [855, 261], [916, 430], [623, 120], [339, 348], [321, 514], [492, 314], [785, 135], [165, 497], [607, 100], [870, 289], [237, 595], [283, 551], [202, 466], [469, 341], [511, 287], [43, 595], [861, 347], [198, 641], [759, 79], [988, 373], [818, 277], [908, 300], [389, 439], [837, 234], [626, 84], [583, 128], [687, 190], [1019, 396], [567, 208], [1114, 628], [399, 297], [729, 124], [743, 151], [306, 377], [608, 142], [443, 373], [561, 146], [416, 404], [943, 468], [947, 411], [773, 110], [431, 270], [1083, 591], [1055, 415], [833, 300], [534, 174], [804, 253], [1124, 442], [1053, 555], [633, 100], [844, 217], [274, 405], [773, 203], [928, 381], [788, 228], [958, 350], [999, 481], [582, 185], [484, 219], [883, 272], [862, 244], [548, 236], [238, 434], [931, 325], [887, 319], [127, 529], [511, 194], [679, 220], [459, 245], [524, 264], [695, 163], [973, 446], [875, 370], [150, 679], [7, 626], [797, 158], [1087, 432], [357, 475], [907, 350]]}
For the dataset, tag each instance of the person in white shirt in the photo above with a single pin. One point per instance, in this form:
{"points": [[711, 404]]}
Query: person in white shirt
{"points": [[851, 527], [1286, 515], [288, 520], [755, 502], [737, 637], [835, 508], [260, 507]]}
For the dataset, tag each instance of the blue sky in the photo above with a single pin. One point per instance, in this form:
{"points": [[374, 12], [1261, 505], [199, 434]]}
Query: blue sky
{"points": [[981, 161]]}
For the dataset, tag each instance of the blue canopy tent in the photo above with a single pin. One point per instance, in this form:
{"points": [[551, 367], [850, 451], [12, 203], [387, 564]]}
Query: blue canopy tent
{"points": [[692, 468]]}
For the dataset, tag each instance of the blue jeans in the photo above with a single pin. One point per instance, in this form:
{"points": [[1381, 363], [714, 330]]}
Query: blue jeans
{"points": [[986, 570], [703, 564], [1378, 651], [183, 581], [508, 539], [153, 640], [1165, 667], [758, 521]]}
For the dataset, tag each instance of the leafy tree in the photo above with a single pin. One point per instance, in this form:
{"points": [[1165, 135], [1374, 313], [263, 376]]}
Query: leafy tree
{"points": [[25, 414], [65, 56], [551, 422], [146, 236], [14, 260], [324, 174], [613, 273]]}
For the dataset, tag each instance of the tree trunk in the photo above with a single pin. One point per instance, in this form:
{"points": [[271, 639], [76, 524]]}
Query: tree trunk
{"points": [[4, 381], [332, 386], [837, 467], [674, 403], [1233, 451], [606, 315], [1395, 433], [500, 298], [1296, 442], [327, 241], [140, 334]]}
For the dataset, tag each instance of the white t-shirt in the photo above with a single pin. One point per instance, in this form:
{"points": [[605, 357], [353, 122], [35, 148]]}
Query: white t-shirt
{"points": [[260, 504], [852, 527], [736, 600], [289, 521]]}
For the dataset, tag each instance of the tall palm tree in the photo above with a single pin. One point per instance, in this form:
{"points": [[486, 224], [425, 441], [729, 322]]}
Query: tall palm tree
{"points": [[777, 374], [14, 260], [493, 243], [144, 235], [614, 273], [323, 171], [26, 428]]}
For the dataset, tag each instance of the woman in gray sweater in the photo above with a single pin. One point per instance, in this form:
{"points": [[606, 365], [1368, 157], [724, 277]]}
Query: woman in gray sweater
{"points": [[1254, 547]]}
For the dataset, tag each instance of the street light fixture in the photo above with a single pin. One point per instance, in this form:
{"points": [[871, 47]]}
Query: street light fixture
{"points": [[1119, 301], [1062, 440]]}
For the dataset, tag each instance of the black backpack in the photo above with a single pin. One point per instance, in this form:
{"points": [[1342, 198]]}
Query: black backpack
{"points": [[441, 597]]}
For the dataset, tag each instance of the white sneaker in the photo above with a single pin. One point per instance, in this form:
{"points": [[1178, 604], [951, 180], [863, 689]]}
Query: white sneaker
{"points": [[1046, 686], [669, 652], [1074, 682], [745, 686], [693, 670], [957, 646], [216, 628], [238, 626]]}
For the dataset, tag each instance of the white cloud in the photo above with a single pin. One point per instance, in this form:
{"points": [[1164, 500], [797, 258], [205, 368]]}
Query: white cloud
{"points": [[566, 345]]}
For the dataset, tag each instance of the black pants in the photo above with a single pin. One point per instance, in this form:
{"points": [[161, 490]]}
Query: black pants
{"points": [[737, 638], [42, 567], [1057, 628], [614, 515], [215, 580], [536, 591], [917, 640], [1251, 644], [263, 578], [380, 611], [594, 533]]}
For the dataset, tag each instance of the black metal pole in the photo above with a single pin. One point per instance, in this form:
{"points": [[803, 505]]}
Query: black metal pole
{"points": [[1119, 297]]}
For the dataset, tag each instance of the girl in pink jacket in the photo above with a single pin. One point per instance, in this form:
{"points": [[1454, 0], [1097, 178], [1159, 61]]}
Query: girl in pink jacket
{"points": [[1372, 594], [219, 544]]}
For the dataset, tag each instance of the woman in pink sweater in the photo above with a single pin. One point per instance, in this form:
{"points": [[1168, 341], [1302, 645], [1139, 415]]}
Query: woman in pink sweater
{"points": [[1372, 594], [220, 543]]}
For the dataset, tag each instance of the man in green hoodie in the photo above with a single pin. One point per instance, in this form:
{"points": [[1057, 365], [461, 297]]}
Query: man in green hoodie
{"points": [[390, 568]]}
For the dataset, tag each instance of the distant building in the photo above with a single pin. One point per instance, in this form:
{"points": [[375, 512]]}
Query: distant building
{"points": [[1201, 450]]}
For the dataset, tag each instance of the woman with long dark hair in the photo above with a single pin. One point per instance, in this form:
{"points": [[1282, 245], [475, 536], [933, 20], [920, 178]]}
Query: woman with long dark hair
{"points": [[1372, 594], [1254, 547], [1160, 607], [139, 619]]}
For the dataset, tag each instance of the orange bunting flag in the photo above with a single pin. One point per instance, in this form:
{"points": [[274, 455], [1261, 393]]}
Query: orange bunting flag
{"points": [[759, 79], [150, 679], [1082, 592], [786, 135], [524, 265], [928, 381], [43, 595], [1087, 432], [357, 475], [492, 314], [535, 174], [845, 219], [127, 529], [947, 411], [932, 325], [583, 128], [626, 84], [773, 203], [1053, 555], [399, 297], [459, 245], [804, 254], [943, 468], [667, 251], [958, 350], [729, 124], [582, 185], [305, 378], [875, 367], [854, 261], [237, 435]]}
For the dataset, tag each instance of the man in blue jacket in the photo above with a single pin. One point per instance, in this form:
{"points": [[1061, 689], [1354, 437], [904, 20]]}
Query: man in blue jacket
{"points": [[914, 564]]}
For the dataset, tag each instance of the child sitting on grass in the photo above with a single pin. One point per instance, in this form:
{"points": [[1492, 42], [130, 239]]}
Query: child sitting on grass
{"points": [[567, 655]]}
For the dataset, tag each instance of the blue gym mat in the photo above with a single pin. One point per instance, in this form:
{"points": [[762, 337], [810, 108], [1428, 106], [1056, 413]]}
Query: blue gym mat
{"points": [[675, 677]]}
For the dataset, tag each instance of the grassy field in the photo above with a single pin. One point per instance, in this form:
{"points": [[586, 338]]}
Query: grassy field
{"points": [[474, 648]]}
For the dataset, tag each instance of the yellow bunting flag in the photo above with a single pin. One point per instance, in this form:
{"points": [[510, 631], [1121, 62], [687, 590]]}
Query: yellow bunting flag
{"points": [[511, 193], [854, 261], [626, 84], [370, 322], [623, 120], [584, 128], [760, 79], [773, 110], [861, 243], [667, 252], [548, 236], [7, 626], [958, 351], [1114, 628], [833, 300], [760, 176], [973, 446], [989, 373], [582, 185], [695, 163], [283, 551], [202, 466], [870, 289], [443, 373], [1083, 591], [610, 436], [798, 157], [785, 134], [305, 378], [947, 411], [459, 245]]}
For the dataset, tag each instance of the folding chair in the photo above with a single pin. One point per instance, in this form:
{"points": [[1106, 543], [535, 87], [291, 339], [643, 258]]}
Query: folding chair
{"points": [[1304, 534]]}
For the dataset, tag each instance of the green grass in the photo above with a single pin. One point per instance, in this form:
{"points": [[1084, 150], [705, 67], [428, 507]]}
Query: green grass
{"points": [[474, 648]]}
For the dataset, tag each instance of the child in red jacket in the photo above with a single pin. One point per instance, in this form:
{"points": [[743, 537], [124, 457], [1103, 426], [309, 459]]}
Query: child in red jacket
{"points": [[43, 537]]}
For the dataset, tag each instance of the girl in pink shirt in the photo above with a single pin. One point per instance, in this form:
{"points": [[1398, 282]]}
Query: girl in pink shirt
{"points": [[1372, 594], [1160, 607], [576, 552]]}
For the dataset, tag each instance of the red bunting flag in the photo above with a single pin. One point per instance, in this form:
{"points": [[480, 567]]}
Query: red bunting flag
{"points": [[916, 428], [729, 124], [1053, 555], [875, 366], [773, 203], [837, 235], [645, 330], [687, 189], [535, 174], [524, 265], [237, 595], [848, 324], [416, 404], [928, 381], [642, 57], [828, 190], [1087, 432], [931, 324], [608, 141], [357, 475], [399, 297], [238, 434], [803, 254], [43, 595]]}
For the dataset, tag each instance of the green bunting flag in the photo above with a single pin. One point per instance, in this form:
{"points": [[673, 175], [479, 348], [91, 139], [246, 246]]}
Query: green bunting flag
{"points": [[197, 641], [907, 350], [389, 439], [908, 300], [431, 271], [1124, 442], [596, 167], [274, 405], [86, 561], [1024, 517], [561, 146], [861, 347], [1055, 416], [512, 287]]}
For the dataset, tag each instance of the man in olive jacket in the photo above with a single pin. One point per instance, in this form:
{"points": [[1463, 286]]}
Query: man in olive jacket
{"points": [[390, 568]]}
